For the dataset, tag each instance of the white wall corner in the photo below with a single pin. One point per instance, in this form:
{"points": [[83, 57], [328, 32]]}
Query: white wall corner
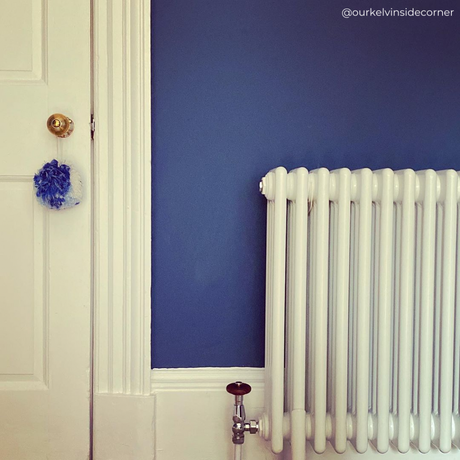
{"points": [[122, 203]]}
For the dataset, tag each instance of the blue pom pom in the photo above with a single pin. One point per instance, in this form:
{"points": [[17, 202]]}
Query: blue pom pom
{"points": [[57, 186]]}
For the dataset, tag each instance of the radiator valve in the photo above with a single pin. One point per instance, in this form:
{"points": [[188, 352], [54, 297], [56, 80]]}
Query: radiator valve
{"points": [[240, 426]]}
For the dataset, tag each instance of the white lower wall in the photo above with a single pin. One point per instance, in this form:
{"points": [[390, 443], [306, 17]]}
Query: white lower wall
{"points": [[194, 413], [188, 416]]}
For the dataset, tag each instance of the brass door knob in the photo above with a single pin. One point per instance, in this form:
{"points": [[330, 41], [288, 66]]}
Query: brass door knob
{"points": [[60, 125]]}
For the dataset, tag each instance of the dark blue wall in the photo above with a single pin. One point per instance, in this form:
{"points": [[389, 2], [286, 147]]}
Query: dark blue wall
{"points": [[242, 86]]}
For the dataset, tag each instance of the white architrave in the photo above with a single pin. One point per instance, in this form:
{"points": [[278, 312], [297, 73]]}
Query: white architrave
{"points": [[122, 204], [123, 408]]}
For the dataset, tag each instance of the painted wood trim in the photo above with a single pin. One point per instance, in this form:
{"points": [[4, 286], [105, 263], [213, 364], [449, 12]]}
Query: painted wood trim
{"points": [[205, 378], [125, 427], [122, 196]]}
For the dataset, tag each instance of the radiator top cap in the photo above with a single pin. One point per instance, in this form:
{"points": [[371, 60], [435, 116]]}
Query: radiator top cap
{"points": [[238, 388]]}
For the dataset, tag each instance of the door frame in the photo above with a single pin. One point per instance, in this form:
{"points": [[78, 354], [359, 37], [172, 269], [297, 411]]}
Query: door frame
{"points": [[121, 228], [122, 202]]}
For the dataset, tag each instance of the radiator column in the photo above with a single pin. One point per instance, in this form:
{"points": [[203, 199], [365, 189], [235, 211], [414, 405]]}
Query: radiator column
{"points": [[406, 180], [340, 300], [428, 183], [449, 191], [274, 187], [363, 214], [296, 313]]}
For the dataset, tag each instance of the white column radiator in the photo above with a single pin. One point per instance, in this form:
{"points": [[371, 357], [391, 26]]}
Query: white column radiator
{"points": [[362, 309]]}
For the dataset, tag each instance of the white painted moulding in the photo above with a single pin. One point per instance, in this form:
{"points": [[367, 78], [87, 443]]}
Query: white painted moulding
{"points": [[122, 197]]}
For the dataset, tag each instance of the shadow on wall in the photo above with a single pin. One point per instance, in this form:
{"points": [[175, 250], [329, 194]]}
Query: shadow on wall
{"points": [[241, 87]]}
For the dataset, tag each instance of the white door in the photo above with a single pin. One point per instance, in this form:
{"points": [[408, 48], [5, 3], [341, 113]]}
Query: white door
{"points": [[45, 255]]}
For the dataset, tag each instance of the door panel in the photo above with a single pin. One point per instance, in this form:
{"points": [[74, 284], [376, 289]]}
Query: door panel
{"points": [[23, 31], [45, 255], [21, 245]]}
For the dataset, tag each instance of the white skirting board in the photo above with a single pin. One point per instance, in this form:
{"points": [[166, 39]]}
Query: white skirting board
{"points": [[188, 416]]}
